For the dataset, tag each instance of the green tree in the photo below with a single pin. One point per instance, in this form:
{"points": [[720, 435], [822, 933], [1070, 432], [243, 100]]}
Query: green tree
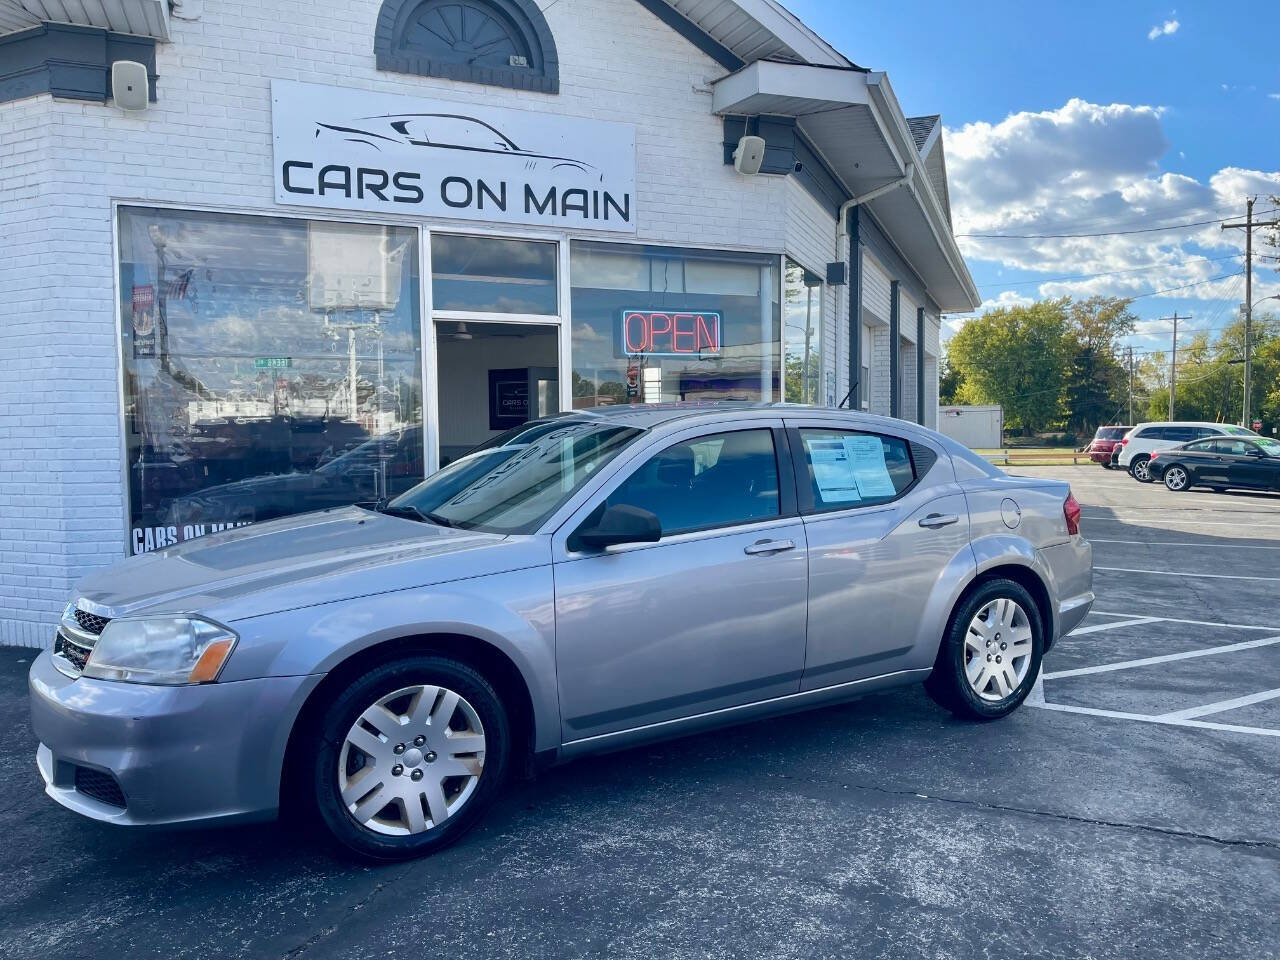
{"points": [[1015, 356], [1097, 385], [950, 381]]}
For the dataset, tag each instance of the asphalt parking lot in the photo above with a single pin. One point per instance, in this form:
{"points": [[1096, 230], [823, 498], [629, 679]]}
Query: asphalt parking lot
{"points": [[1131, 811]]}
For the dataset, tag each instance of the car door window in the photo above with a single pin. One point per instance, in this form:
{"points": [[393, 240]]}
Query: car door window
{"points": [[1232, 448], [713, 481], [848, 468], [1179, 434]]}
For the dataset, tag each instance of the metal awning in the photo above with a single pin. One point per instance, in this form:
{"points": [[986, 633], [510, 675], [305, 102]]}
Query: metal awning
{"points": [[853, 120], [143, 18]]}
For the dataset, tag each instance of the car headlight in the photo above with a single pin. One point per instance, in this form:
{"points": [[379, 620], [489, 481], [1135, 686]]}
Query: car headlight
{"points": [[174, 650]]}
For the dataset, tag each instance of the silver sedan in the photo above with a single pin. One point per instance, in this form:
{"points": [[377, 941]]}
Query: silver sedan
{"points": [[579, 584]]}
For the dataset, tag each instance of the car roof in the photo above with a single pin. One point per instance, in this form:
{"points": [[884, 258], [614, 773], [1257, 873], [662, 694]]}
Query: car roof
{"points": [[649, 415], [1184, 423]]}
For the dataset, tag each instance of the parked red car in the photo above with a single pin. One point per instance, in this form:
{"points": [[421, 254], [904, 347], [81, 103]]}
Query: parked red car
{"points": [[1104, 442]]}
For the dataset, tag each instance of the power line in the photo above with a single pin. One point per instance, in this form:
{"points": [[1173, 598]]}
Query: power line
{"points": [[1074, 236], [1104, 233], [1112, 273]]}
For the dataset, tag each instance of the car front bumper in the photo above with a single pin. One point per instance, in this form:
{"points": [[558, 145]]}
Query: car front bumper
{"points": [[178, 755]]}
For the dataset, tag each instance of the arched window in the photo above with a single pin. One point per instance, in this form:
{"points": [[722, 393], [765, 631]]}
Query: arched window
{"points": [[503, 43]]}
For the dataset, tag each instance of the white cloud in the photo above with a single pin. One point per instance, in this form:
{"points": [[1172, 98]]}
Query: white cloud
{"points": [[1091, 168], [1168, 28]]}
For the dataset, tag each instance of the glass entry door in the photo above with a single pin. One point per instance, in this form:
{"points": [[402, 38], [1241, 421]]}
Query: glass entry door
{"points": [[490, 377]]}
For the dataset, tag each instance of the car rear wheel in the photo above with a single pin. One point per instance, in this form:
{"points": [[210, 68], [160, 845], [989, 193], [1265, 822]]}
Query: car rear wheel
{"points": [[1140, 469], [990, 656], [408, 756], [1175, 478]]}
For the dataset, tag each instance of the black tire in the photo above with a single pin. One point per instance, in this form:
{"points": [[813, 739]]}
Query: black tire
{"points": [[948, 685], [336, 720], [1168, 485], [1133, 465]]}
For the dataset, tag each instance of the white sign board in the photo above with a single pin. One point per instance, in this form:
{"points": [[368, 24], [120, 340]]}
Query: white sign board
{"points": [[355, 150]]}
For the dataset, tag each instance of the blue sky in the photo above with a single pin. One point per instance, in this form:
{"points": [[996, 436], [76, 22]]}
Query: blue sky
{"points": [[1085, 117]]}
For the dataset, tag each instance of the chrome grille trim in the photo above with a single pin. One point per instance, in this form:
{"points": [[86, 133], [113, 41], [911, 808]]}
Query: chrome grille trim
{"points": [[90, 622]]}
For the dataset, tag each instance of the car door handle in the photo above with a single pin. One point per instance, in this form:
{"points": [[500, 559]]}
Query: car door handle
{"points": [[935, 520], [768, 546]]}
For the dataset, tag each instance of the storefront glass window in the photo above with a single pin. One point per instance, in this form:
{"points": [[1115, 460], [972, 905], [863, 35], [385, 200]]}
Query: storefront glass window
{"points": [[802, 334], [271, 366], [658, 324], [490, 275]]}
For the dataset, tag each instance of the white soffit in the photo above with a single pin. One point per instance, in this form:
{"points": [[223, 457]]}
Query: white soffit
{"points": [[758, 29], [143, 18]]}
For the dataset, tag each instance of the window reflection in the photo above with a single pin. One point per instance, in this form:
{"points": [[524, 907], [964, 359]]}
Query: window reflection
{"points": [[271, 366], [802, 334], [657, 324], [490, 275]]}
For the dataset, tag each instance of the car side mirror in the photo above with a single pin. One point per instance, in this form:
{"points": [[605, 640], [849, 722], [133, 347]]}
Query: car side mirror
{"points": [[620, 523]]}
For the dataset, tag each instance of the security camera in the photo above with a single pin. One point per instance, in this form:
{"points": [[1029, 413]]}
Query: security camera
{"points": [[749, 155]]}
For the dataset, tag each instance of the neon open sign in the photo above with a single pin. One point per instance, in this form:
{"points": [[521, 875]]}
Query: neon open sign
{"points": [[657, 333]]}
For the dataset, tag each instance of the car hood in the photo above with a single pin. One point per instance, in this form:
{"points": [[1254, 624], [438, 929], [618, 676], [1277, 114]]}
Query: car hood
{"points": [[300, 561]]}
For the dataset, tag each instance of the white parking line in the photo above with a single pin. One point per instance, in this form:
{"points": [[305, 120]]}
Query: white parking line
{"points": [[1197, 623], [1198, 576], [1221, 706], [1080, 632], [1146, 718], [1194, 523], [1198, 546], [1165, 658]]}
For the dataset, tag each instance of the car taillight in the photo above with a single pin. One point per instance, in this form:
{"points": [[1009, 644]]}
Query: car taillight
{"points": [[1152, 457], [1071, 512], [1124, 442]]}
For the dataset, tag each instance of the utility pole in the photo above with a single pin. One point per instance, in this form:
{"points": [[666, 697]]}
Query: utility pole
{"points": [[1173, 361], [1247, 227], [1130, 420]]}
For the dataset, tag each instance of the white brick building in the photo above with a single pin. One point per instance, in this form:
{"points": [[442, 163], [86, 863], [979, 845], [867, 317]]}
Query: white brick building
{"points": [[256, 273]]}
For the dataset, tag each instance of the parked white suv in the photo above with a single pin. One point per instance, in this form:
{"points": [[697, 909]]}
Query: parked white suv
{"points": [[1144, 439]]}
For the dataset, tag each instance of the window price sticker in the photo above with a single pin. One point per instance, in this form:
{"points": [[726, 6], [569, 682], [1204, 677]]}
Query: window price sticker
{"points": [[850, 468]]}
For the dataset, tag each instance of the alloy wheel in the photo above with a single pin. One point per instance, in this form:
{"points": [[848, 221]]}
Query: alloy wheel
{"points": [[997, 649], [411, 760], [1175, 478], [1141, 470]]}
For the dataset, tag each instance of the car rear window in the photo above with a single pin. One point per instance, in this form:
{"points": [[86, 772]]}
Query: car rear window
{"points": [[1110, 433]]}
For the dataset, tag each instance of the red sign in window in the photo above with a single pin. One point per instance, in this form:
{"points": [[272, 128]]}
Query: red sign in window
{"points": [[670, 334]]}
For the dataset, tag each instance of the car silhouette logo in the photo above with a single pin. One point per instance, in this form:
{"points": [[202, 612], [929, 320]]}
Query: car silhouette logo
{"points": [[445, 131]]}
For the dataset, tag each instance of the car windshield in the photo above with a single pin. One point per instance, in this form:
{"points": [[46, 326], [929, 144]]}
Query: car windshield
{"points": [[1270, 446], [512, 483], [1238, 431]]}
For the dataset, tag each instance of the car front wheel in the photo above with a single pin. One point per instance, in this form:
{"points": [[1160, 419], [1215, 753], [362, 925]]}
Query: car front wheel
{"points": [[1140, 469], [408, 756], [990, 656], [1175, 478]]}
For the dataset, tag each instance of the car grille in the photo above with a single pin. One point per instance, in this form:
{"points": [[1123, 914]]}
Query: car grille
{"points": [[99, 786], [76, 654], [91, 623]]}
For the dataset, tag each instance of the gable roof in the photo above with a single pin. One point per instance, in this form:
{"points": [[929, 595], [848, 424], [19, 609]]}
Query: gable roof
{"points": [[921, 127]]}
